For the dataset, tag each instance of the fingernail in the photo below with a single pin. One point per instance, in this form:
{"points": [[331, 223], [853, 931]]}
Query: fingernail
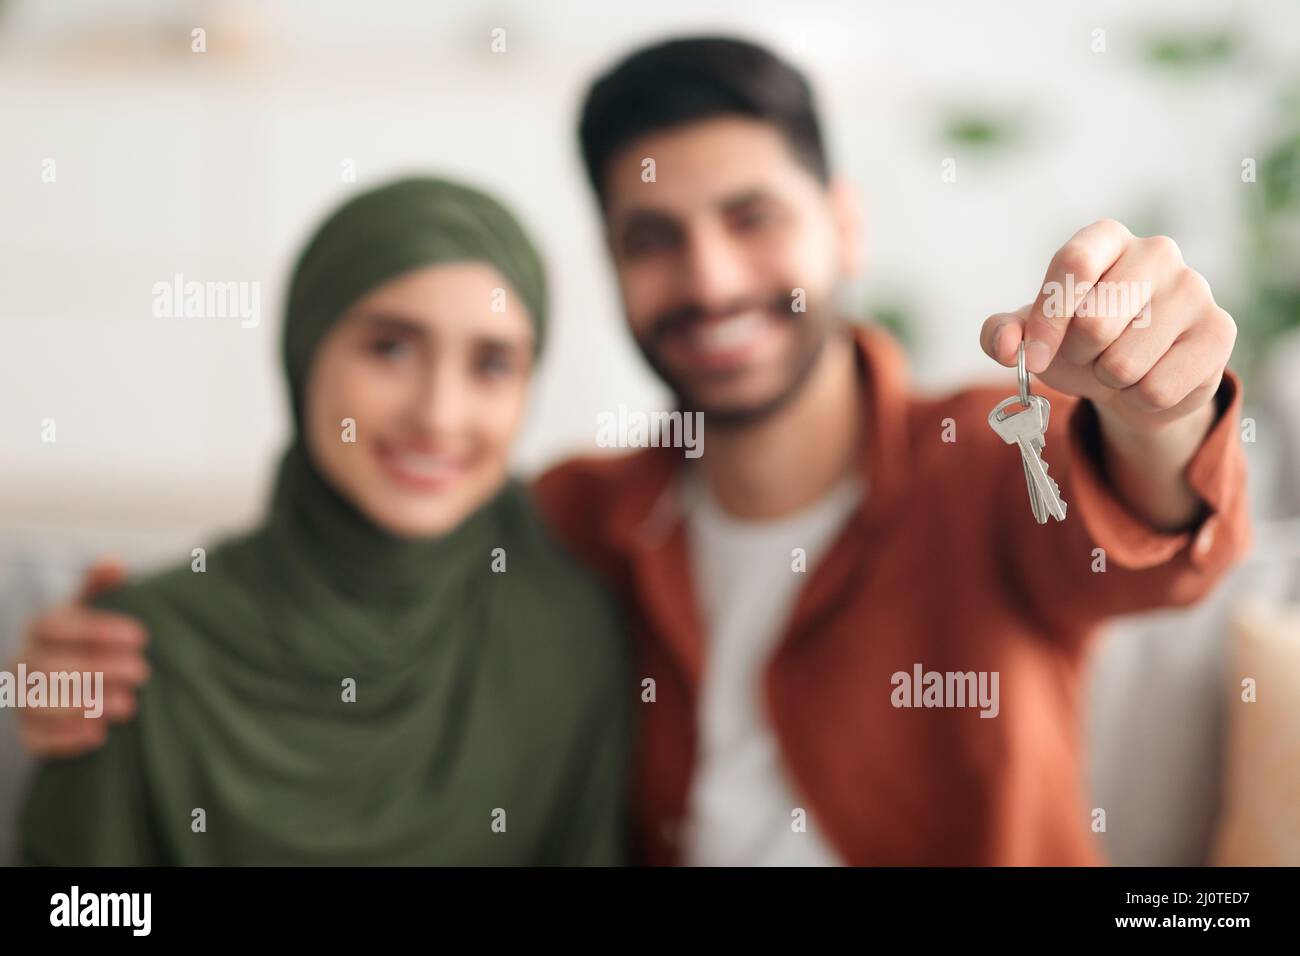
{"points": [[1037, 356], [1000, 331]]}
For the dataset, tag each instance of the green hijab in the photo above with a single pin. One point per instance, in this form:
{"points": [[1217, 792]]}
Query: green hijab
{"points": [[325, 692]]}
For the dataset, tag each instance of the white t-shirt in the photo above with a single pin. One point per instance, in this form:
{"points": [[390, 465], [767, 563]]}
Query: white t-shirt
{"points": [[742, 803]]}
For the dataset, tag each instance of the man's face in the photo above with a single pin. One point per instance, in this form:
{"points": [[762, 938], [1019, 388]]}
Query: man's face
{"points": [[711, 254]]}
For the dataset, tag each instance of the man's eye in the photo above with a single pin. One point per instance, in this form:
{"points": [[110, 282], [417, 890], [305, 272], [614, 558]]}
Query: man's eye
{"points": [[754, 219], [644, 242]]}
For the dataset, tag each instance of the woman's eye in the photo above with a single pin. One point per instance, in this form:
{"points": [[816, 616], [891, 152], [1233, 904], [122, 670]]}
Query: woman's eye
{"points": [[389, 348], [494, 366]]}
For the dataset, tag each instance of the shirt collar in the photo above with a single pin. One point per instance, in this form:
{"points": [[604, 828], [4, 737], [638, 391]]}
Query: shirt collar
{"points": [[882, 376]]}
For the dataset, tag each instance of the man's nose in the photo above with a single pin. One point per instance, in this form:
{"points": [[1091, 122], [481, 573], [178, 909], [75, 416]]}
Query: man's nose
{"points": [[715, 272]]}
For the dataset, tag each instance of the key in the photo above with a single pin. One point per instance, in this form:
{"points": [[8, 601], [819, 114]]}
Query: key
{"points": [[1035, 499], [1026, 428], [1051, 495], [1044, 495]]}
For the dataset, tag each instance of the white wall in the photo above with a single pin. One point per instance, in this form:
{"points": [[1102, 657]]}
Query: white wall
{"points": [[216, 165]]}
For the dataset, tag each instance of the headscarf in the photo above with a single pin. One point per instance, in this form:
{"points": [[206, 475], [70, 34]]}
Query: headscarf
{"points": [[325, 692]]}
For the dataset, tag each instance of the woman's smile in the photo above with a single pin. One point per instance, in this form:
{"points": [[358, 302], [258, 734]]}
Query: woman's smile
{"points": [[418, 467]]}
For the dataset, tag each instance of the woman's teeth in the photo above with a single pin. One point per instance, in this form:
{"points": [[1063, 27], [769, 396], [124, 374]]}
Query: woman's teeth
{"points": [[422, 465]]}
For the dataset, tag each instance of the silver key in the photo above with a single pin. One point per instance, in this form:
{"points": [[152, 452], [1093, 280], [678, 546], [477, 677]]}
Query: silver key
{"points": [[1035, 499], [1044, 495], [1025, 428], [1049, 491]]}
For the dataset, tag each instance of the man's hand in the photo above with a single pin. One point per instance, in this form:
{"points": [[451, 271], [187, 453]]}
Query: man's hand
{"points": [[77, 638], [1123, 322]]}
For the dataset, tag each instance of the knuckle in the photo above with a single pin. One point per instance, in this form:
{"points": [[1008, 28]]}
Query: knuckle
{"points": [[1111, 225], [1157, 391], [1075, 258], [1164, 247], [1195, 285], [1092, 328], [1226, 325], [1116, 370], [1204, 391]]}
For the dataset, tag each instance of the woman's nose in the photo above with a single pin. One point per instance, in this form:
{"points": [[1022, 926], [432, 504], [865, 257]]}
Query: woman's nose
{"points": [[442, 400]]}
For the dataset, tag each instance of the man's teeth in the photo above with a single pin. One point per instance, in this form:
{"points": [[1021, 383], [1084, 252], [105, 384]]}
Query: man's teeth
{"points": [[426, 466], [729, 333]]}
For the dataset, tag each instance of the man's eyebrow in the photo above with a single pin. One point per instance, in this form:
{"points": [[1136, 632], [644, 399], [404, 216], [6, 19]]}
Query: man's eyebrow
{"points": [[646, 216], [643, 216], [747, 197]]}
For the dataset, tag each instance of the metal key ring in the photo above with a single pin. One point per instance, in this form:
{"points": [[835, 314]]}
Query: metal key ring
{"points": [[1022, 374]]}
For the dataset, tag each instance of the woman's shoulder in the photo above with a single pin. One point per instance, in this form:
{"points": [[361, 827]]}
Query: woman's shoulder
{"points": [[529, 529], [540, 570], [206, 577]]}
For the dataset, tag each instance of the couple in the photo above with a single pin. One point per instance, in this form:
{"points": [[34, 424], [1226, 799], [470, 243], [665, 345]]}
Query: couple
{"points": [[357, 682]]}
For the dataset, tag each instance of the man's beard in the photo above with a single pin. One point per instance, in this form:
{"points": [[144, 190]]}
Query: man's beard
{"points": [[812, 329]]}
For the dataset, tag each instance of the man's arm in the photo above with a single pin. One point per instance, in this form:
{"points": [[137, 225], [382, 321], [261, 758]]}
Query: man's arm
{"points": [[1152, 470], [1105, 559], [1124, 323], [1148, 470], [76, 637]]}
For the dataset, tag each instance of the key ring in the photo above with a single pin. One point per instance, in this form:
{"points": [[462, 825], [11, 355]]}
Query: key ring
{"points": [[1022, 374]]}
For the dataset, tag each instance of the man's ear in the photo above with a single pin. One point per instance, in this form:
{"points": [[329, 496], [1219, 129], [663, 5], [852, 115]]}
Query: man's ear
{"points": [[848, 220]]}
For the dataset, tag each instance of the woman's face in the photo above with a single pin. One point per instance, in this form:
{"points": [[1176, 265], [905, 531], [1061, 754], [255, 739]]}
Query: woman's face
{"points": [[436, 382]]}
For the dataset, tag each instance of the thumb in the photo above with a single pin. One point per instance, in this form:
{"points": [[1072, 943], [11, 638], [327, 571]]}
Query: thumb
{"points": [[104, 575], [1001, 334]]}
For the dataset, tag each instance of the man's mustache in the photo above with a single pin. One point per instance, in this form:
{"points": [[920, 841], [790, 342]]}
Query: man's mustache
{"points": [[693, 313]]}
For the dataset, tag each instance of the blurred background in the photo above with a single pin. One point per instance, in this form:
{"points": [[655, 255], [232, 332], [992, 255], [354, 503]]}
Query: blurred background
{"points": [[128, 157]]}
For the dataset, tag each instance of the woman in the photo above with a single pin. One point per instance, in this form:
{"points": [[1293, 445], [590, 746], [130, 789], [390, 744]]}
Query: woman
{"points": [[398, 666]]}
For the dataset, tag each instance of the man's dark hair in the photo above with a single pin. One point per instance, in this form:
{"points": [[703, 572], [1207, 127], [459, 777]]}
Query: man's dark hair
{"points": [[681, 81]]}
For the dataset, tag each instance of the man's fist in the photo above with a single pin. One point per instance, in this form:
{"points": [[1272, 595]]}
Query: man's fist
{"points": [[1124, 322]]}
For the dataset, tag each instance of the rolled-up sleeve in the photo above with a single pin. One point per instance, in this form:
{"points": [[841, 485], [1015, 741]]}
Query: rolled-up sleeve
{"points": [[1217, 473], [1104, 559]]}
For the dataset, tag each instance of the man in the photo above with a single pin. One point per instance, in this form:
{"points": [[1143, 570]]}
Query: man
{"points": [[856, 643]]}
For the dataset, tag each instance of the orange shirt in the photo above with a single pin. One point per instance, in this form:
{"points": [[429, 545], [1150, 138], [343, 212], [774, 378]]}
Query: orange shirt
{"points": [[942, 566]]}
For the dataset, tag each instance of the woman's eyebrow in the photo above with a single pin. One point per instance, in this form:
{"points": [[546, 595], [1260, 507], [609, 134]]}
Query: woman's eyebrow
{"points": [[522, 343], [391, 323]]}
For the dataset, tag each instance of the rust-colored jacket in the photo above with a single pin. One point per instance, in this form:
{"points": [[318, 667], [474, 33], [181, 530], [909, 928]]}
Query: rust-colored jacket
{"points": [[944, 566]]}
